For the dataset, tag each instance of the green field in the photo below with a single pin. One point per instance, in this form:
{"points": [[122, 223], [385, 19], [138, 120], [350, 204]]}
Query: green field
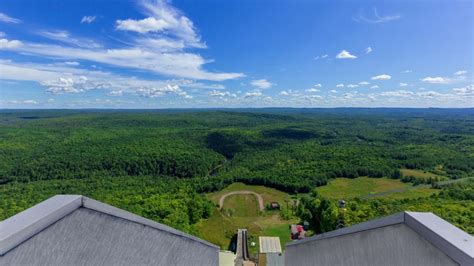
{"points": [[345, 188], [422, 174], [268, 194], [242, 205], [241, 211]]}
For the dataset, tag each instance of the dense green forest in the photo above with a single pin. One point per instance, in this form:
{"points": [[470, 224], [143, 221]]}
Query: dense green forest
{"points": [[158, 163]]}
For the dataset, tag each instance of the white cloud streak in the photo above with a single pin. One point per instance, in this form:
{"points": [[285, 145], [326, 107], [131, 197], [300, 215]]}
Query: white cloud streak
{"points": [[88, 19], [381, 77], [436, 80], [261, 83], [7, 19], [375, 18]]}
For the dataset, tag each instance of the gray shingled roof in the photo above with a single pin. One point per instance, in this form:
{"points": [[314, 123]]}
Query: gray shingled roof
{"points": [[72, 229], [452, 241]]}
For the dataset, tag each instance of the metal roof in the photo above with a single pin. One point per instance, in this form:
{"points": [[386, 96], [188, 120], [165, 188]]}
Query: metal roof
{"points": [[452, 241], [72, 229], [269, 244], [275, 259]]}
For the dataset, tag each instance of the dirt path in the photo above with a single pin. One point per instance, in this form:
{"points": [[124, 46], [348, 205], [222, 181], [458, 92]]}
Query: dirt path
{"points": [[259, 198]]}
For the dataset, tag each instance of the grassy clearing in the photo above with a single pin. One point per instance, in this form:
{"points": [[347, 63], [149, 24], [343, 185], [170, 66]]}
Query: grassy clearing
{"points": [[345, 188], [245, 205], [421, 174], [268, 194], [241, 211]]}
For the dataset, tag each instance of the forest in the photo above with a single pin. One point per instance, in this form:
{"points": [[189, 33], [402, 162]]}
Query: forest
{"points": [[158, 163]]}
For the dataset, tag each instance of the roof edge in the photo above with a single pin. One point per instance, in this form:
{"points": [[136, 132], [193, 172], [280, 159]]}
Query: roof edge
{"points": [[437, 236], [20, 227], [396, 218], [117, 212]]}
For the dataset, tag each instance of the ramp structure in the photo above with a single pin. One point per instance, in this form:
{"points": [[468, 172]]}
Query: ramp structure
{"points": [[242, 247]]}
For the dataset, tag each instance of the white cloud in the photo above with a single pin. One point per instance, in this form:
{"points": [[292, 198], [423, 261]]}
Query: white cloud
{"points": [[320, 57], [381, 77], [375, 17], [406, 71], [348, 95], [64, 79], [88, 19], [368, 50], [65, 37], [159, 53], [65, 85], [364, 83], [313, 97], [345, 55], [333, 91], [24, 102], [403, 84], [284, 93], [252, 94], [161, 44], [397, 93], [340, 85], [185, 65], [142, 26], [465, 91], [312, 90], [72, 63], [216, 93], [7, 19], [115, 93], [6, 44], [163, 19], [374, 87], [436, 80], [460, 72], [261, 83], [352, 86], [154, 92], [317, 85]]}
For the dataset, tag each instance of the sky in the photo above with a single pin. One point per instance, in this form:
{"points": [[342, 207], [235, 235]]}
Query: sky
{"points": [[213, 53]]}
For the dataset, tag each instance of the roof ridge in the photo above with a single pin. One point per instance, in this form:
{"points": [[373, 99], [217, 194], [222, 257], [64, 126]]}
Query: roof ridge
{"points": [[95, 205], [22, 226], [396, 218]]}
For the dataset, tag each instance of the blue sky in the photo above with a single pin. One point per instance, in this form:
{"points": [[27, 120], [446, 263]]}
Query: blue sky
{"points": [[213, 53]]}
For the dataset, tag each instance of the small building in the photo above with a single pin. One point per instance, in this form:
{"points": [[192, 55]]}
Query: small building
{"points": [[76, 230], [297, 231], [407, 238], [269, 244], [270, 251], [274, 206], [226, 258]]}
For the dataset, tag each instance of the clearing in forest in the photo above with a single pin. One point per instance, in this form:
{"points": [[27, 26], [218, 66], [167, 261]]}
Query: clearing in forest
{"points": [[242, 211], [362, 187]]}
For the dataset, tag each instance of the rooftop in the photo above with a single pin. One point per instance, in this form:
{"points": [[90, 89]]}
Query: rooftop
{"points": [[454, 242], [66, 227], [269, 244]]}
